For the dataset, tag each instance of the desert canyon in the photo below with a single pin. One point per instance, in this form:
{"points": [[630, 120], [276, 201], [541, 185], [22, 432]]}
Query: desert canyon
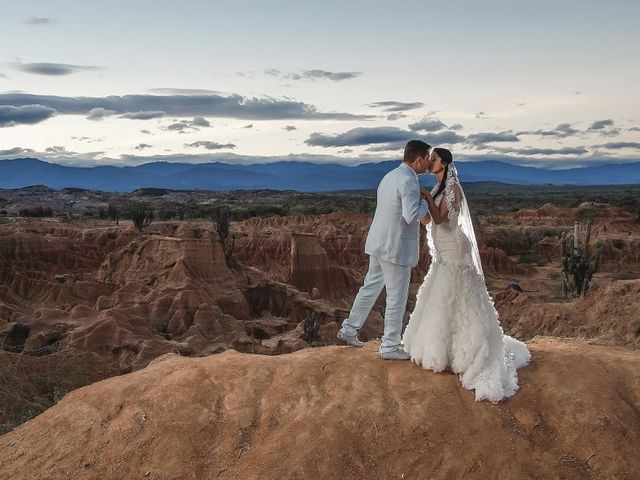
{"points": [[149, 356]]}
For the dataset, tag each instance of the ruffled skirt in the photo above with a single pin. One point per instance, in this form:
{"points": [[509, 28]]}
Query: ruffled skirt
{"points": [[455, 327]]}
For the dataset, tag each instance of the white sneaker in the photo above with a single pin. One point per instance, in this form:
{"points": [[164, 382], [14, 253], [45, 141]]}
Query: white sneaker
{"points": [[395, 355], [350, 339]]}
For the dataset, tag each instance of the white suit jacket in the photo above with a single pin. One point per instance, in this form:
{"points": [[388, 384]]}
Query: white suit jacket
{"points": [[394, 235]]}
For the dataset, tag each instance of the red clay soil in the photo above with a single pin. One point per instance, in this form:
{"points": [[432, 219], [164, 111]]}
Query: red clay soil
{"points": [[339, 412]]}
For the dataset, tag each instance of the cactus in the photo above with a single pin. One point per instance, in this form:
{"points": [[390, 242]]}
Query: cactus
{"points": [[578, 267], [222, 226]]}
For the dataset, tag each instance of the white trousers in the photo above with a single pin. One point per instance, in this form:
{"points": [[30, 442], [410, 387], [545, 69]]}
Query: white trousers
{"points": [[396, 279]]}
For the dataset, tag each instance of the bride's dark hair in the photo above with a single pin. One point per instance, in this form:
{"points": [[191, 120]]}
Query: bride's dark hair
{"points": [[446, 157]]}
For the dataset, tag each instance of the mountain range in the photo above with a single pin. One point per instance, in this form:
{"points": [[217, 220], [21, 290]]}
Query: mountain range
{"points": [[285, 175]]}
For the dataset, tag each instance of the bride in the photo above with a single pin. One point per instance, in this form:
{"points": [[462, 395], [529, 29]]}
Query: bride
{"points": [[454, 325]]}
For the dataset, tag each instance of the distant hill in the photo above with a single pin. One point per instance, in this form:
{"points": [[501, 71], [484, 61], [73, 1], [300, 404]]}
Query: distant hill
{"points": [[286, 175]]}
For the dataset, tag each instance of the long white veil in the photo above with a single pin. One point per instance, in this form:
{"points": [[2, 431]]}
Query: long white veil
{"points": [[460, 218]]}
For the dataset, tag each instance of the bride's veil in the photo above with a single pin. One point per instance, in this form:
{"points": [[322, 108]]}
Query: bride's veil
{"points": [[459, 215]]}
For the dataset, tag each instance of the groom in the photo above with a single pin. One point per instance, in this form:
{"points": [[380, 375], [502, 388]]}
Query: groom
{"points": [[392, 245]]}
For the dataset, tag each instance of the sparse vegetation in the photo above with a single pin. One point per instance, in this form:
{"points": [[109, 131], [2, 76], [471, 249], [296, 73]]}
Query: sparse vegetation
{"points": [[222, 227], [114, 213], [222, 223], [311, 326], [141, 215], [486, 199], [28, 388], [578, 266], [38, 212]]}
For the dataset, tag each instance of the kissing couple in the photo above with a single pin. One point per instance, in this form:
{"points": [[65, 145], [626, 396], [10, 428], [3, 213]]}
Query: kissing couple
{"points": [[454, 325]]}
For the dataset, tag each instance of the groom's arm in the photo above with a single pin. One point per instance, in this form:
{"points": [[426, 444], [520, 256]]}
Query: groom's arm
{"points": [[413, 207]]}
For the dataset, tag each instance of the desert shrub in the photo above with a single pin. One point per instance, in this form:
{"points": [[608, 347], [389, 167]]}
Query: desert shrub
{"points": [[114, 213], [222, 223], [311, 326], [167, 214], [38, 211], [141, 215], [28, 388], [152, 192]]}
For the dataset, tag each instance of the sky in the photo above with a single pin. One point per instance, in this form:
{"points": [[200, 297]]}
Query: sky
{"points": [[554, 84]]}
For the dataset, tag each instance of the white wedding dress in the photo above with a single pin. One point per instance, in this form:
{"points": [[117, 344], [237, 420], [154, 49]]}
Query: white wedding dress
{"points": [[454, 325]]}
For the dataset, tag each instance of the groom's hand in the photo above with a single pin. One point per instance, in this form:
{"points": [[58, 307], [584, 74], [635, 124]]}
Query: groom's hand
{"points": [[424, 193]]}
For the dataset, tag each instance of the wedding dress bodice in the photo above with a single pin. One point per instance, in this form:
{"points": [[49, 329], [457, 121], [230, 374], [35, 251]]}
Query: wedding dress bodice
{"points": [[446, 244]]}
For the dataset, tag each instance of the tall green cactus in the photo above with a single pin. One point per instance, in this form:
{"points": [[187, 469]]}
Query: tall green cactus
{"points": [[578, 267]]}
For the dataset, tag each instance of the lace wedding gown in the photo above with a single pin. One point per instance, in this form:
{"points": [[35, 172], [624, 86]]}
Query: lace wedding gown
{"points": [[454, 324]]}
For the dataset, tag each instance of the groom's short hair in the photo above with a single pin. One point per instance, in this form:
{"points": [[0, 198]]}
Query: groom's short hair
{"points": [[414, 149]]}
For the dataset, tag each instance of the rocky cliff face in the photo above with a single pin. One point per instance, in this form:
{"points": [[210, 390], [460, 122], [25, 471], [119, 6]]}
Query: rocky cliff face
{"points": [[128, 299], [312, 270], [608, 314]]}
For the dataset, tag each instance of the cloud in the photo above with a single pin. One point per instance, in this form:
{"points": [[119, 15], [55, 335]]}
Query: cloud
{"points": [[98, 114], [481, 115], [358, 136], [634, 129], [393, 106], [58, 150], [601, 124], [604, 127], [395, 116], [446, 137], [545, 151], [88, 139], [210, 145], [146, 132], [456, 126], [52, 68], [142, 146], [248, 126], [612, 132], [200, 122], [289, 128], [229, 106], [183, 91], [142, 115], [428, 125], [24, 114], [183, 126], [563, 130], [387, 147], [377, 135], [17, 151], [325, 75], [39, 21], [315, 74], [619, 145], [2, 75], [490, 137]]}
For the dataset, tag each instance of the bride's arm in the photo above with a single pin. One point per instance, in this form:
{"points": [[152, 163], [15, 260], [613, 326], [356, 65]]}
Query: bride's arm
{"points": [[439, 213]]}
